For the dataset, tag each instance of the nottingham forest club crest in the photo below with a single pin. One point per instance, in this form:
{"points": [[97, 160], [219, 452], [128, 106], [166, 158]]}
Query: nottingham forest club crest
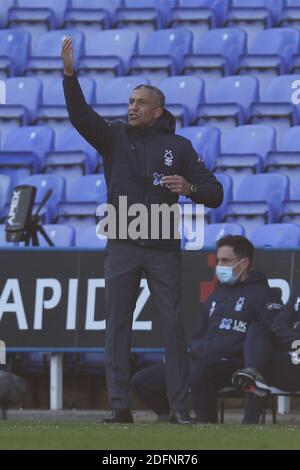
{"points": [[168, 157]]}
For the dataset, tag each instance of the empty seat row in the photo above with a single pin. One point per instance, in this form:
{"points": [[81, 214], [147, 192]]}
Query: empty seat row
{"points": [[284, 235], [233, 101], [148, 15]]}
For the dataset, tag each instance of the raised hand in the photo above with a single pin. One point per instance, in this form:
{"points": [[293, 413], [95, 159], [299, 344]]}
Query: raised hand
{"points": [[67, 56]]}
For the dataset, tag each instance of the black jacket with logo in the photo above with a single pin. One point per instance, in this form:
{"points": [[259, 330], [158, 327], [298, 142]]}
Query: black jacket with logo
{"points": [[287, 324], [136, 159], [222, 325]]}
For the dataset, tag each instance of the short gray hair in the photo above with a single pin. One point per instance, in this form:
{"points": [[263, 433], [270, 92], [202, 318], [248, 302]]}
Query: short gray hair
{"points": [[159, 96]]}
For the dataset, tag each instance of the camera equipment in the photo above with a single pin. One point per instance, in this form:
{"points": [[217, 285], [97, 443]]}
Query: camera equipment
{"points": [[21, 224]]}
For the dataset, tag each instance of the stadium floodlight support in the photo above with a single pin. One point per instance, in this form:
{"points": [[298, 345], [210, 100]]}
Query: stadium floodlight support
{"points": [[21, 224]]}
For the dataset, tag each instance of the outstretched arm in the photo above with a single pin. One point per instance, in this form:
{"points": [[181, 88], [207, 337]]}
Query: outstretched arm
{"points": [[88, 123]]}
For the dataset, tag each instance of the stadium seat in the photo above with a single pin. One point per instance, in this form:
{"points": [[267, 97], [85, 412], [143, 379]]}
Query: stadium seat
{"points": [[5, 5], [254, 15], [107, 53], [5, 193], [276, 236], [258, 200], [53, 111], [43, 183], [14, 52], [72, 141], [189, 241], [228, 102], [199, 15], [244, 151], [290, 16], [87, 238], [3, 242], [60, 235], [286, 160], [92, 16], [205, 140], [23, 151], [45, 59], [114, 96], [277, 106], [216, 54], [23, 96], [271, 53], [83, 198], [90, 188], [37, 16], [162, 54], [213, 232], [144, 16], [183, 95]]}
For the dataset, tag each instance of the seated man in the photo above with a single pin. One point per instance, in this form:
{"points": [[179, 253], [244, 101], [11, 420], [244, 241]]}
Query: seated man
{"points": [[271, 356], [241, 297]]}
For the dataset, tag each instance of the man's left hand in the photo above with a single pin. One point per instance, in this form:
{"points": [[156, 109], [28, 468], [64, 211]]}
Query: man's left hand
{"points": [[177, 184]]}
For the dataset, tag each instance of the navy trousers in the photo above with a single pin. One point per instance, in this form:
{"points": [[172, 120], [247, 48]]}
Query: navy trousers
{"points": [[124, 265]]}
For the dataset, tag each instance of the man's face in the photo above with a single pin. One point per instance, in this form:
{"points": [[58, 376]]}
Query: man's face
{"points": [[143, 110], [227, 257]]}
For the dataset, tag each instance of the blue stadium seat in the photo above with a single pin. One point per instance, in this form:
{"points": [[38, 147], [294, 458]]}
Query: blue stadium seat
{"points": [[205, 140], [254, 15], [23, 96], [199, 15], [286, 160], [213, 232], [43, 183], [83, 198], [45, 59], [217, 215], [23, 151], [144, 16], [61, 235], [162, 54], [276, 106], [251, 207], [183, 95], [216, 54], [90, 188], [87, 238], [37, 16], [290, 16], [107, 53], [92, 16], [5, 193], [53, 111], [228, 102], [270, 54], [5, 5], [189, 241], [114, 95], [276, 236], [72, 141], [3, 242], [244, 151], [14, 52]]}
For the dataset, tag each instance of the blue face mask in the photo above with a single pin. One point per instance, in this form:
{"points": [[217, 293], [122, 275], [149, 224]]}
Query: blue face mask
{"points": [[226, 274]]}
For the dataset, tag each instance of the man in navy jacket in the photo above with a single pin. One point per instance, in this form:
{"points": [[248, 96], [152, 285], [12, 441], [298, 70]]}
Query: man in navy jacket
{"points": [[146, 162], [272, 356], [241, 297]]}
